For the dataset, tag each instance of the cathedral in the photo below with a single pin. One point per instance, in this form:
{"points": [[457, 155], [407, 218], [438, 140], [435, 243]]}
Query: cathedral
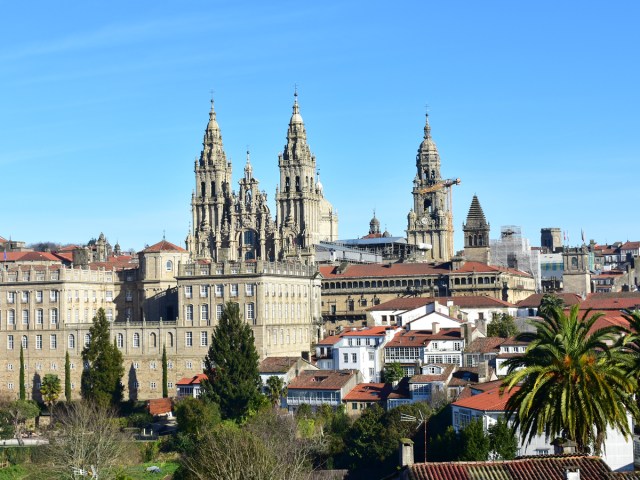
{"points": [[230, 226]]}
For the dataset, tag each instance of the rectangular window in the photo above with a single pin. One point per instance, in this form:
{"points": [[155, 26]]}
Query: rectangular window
{"points": [[204, 312], [53, 342], [188, 291], [11, 297], [53, 314], [204, 339], [109, 296], [39, 296], [219, 290], [234, 290], [38, 342], [354, 357], [249, 289], [371, 356], [109, 314], [345, 357], [250, 312], [204, 291], [25, 317], [219, 309], [10, 342], [128, 296], [53, 295], [25, 297], [152, 385], [188, 339]]}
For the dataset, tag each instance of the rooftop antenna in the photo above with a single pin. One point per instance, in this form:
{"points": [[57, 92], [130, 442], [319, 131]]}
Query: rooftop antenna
{"points": [[163, 235], [420, 421]]}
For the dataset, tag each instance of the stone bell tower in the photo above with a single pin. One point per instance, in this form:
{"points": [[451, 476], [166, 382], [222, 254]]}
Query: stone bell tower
{"points": [[430, 222]]}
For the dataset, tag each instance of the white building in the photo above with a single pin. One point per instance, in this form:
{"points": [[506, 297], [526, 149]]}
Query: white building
{"points": [[490, 406]]}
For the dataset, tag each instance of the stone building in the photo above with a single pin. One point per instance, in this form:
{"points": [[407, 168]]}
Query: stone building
{"points": [[430, 221], [170, 296], [476, 234]]}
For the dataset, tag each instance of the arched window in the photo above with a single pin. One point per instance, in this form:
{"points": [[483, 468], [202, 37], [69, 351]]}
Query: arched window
{"points": [[120, 340], [189, 313], [25, 342], [87, 339], [170, 339], [153, 340], [136, 340], [72, 341], [169, 266]]}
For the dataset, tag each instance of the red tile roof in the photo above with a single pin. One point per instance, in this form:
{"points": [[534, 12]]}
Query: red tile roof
{"points": [[611, 301], [484, 345], [630, 246], [381, 270], [163, 246], [367, 332], [369, 392], [410, 303], [533, 301], [477, 267], [195, 380], [525, 468], [322, 379], [447, 370], [420, 338], [330, 340], [277, 364], [489, 401], [29, 257], [159, 406]]}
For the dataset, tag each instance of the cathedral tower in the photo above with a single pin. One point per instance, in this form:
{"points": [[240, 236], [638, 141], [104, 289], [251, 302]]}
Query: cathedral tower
{"points": [[304, 217], [476, 234], [430, 222]]}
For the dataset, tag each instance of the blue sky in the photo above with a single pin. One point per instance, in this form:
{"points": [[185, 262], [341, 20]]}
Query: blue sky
{"points": [[534, 105]]}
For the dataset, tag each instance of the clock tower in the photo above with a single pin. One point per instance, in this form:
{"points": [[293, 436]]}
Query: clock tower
{"points": [[430, 222]]}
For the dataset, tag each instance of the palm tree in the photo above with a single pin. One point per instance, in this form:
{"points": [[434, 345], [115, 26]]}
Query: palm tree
{"points": [[630, 343], [548, 303], [572, 383], [276, 389]]}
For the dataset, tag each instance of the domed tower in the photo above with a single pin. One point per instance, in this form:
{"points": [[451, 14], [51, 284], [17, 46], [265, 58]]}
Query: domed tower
{"points": [[430, 223], [374, 225], [304, 217], [212, 197], [476, 234]]}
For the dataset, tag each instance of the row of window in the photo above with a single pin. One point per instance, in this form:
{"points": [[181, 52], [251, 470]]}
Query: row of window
{"points": [[54, 296], [286, 290], [354, 357], [286, 336], [53, 341], [279, 311], [250, 312], [53, 315], [39, 276], [249, 290]]}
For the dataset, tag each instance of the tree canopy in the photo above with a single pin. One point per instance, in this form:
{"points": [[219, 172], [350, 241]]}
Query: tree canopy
{"points": [[101, 378], [50, 389], [231, 365], [570, 383], [502, 325]]}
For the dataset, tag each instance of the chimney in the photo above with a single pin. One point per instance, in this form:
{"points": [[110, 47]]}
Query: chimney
{"points": [[406, 452], [435, 328], [572, 473]]}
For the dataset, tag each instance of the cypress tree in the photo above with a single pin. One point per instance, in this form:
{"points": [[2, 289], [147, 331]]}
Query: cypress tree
{"points": [[23, 393], [67, 377], [101, 381], [231, 365], [165, 390]]}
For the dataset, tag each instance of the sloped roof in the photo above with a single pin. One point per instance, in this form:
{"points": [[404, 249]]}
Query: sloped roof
{"points": [[484, 345], [611, 301], [552, 467], [369, 392], [489, 401], [330, 340], [380, 270], [475, 217], [410, 303], [447, 369], [163, 246], [195, 380], [419, 338], [533, 301], [321, 379], [277, 364]]}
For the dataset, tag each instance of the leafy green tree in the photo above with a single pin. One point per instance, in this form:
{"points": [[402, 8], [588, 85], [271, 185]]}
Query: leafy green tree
{"points": [[502, 325], [231, 365], [23, 394], [67, 377], [165, 389], [13, 417], [196, 416], [475, 443], [392, 372], [445, 446], [50, 390], [503, 442], [276, 389], [549, 303], [570, 383], [101, 381], [365, 441]]}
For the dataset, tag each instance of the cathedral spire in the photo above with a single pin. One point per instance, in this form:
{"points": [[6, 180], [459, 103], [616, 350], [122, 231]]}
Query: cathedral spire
{"points": [[248, 169], [475, 217], [213, 150]]}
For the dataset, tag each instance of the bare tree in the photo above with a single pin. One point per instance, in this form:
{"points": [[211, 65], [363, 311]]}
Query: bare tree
{"points": [[264, 449], [87, 439]]}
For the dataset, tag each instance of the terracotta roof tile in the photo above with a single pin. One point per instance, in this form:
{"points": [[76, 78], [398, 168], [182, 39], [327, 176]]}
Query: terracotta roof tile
{"points": [[195, 380], [489, 401], [321, 380], [330, 340], [420, 338], [163, 246], [525, 468], [369, 392], [277, 364], [484, 345], [410, 303], [611, 301], [381, 270], [447, 370]]}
